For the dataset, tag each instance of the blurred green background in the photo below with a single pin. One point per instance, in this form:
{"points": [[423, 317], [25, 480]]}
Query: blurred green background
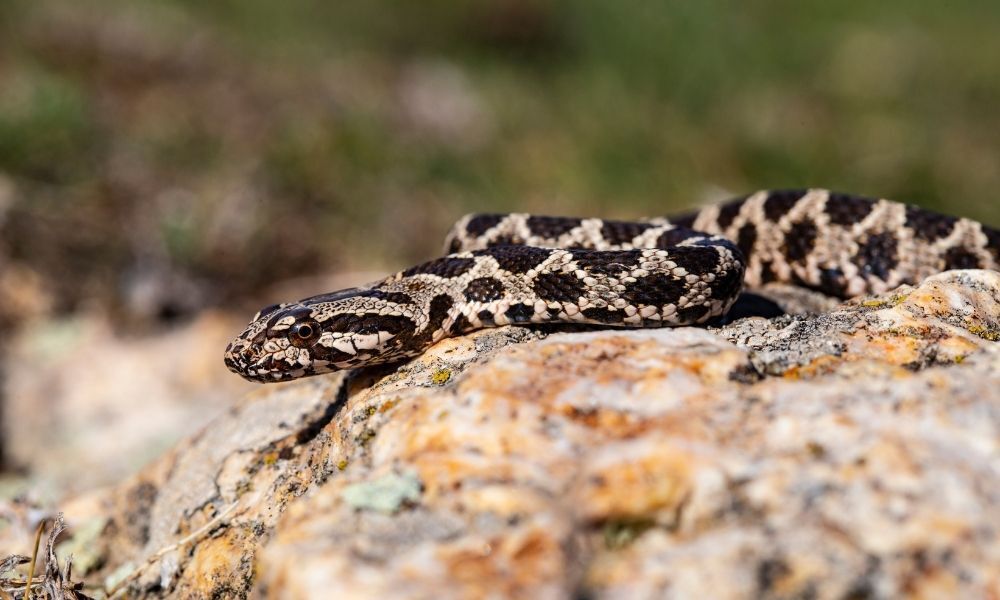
{"points": [[159, 156]]}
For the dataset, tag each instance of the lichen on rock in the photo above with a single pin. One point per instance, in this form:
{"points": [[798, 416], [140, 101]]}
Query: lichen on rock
{"points": [[851, 453]]}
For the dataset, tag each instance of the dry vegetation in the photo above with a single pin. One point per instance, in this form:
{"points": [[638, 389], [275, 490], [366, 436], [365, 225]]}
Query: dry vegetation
{"points": [[156, 157]]}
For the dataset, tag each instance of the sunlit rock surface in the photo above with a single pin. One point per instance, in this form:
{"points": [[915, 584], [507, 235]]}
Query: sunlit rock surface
{"points": [[851, 454]]}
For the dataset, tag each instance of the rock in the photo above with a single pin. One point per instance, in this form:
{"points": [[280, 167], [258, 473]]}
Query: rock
{"points": [[854, 453], [85, 407]]}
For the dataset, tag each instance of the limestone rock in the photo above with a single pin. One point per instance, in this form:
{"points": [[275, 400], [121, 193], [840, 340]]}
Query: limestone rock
{"points": [[855, 453]]}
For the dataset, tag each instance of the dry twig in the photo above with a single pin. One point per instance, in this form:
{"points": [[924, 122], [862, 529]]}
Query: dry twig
{"points": [[54, 584]]}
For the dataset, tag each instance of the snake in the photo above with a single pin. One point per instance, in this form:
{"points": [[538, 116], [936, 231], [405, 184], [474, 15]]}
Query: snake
{"points": [[519, 268]]}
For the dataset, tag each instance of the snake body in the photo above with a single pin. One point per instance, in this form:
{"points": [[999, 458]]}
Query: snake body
{"points": [[519, 268]]}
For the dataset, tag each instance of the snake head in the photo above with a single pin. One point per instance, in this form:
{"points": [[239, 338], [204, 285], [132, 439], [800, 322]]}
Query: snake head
{"points": [[343, 330]]}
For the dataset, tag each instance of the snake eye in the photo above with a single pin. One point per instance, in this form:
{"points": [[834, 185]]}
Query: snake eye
{"points": [[303, 334]]}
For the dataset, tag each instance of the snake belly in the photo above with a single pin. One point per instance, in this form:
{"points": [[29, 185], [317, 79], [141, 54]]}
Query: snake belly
{"points": [[520, 268]]}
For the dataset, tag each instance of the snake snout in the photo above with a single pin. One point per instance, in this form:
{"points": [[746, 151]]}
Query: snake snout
{"points": [[235, 359], [240, 358]]}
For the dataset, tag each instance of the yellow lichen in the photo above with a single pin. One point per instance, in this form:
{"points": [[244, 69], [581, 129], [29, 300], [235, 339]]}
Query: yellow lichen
{"points": [[441, 376], [991, 335], [342, 464], [894, 300]]}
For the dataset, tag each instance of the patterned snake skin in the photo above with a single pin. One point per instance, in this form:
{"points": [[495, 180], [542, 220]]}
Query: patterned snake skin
{"points": [[519, 268]]}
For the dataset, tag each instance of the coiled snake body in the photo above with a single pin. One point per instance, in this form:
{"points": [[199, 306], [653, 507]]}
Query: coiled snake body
{"points": [[520, 268]]}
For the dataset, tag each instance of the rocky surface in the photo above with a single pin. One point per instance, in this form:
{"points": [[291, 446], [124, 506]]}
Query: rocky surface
{"points": [[86, 404], [85, 407], [853, 454]]}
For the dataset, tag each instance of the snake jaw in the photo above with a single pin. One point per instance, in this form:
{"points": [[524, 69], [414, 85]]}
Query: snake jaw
{"points": [[266, 367]]}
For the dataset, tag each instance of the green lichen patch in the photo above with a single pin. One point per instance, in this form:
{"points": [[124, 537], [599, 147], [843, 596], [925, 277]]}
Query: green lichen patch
{"points": [[387, 494]]}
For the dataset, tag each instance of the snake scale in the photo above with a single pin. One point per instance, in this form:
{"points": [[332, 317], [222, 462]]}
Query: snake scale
{"points": [[519, 268]]}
